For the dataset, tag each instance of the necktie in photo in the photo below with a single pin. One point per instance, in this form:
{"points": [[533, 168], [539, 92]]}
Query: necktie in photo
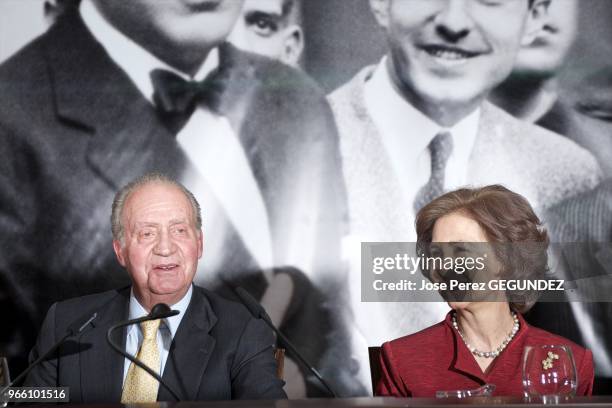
{"points": [[139, 386], [440, 149]]}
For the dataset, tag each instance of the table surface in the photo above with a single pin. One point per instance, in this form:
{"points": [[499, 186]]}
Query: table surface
{"points": [[581, 402]]}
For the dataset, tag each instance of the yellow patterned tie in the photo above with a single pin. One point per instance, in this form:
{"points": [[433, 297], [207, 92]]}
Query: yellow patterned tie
{"points": [[139, 386]]}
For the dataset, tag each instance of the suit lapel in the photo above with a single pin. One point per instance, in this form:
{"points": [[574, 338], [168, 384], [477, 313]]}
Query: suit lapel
{"points": [[241, 93], [101, 367], [190, 351], [126, 137]]}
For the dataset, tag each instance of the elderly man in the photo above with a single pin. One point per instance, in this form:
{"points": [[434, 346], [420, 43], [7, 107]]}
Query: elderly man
{"points": [[212, 350], [116, 89], [533, 91], [417, 124], [271, 28]]}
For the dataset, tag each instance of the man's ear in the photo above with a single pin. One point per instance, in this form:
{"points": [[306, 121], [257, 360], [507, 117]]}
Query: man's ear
{"points": [[118, 248], [293, 45], [380, 9], [536, 20], [200, 243]]}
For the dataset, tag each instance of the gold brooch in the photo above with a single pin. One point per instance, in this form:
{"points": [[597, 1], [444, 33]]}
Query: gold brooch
{"points": [[548, 361]]}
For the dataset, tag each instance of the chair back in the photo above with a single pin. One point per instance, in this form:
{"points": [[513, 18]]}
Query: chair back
{"points": [[375, 369], [279, 356]]}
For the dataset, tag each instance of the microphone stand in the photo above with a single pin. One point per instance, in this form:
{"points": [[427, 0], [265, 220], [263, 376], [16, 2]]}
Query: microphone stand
{"points": [[259, 312], [72, 330]]}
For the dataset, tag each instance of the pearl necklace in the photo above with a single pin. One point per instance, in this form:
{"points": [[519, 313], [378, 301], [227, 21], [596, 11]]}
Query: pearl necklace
{"points": [[498, 350]]}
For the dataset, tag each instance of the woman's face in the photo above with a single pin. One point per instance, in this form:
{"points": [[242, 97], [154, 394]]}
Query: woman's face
{"points": [[459, 236]]}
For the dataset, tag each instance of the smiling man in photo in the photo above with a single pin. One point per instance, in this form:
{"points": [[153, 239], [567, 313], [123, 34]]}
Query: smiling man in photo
{"points": [[417, 124]]}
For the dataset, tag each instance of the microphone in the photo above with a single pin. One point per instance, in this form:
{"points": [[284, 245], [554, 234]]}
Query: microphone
{"points": [[75, 328], [159, 311], [259, 312]]}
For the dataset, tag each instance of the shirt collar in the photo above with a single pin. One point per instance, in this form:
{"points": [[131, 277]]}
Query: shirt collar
{"points": [[395, 117], [134, 60], [136, 310]]}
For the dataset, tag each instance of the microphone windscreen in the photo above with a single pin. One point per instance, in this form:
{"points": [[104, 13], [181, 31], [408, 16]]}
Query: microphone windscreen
{"points": [[161, 311]]}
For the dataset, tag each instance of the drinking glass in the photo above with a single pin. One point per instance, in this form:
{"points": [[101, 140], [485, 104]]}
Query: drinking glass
{"points": [[484, 391], [549, 373]]}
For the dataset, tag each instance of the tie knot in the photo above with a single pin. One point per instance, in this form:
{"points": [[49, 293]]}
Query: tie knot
{"points": [[149, 329], [441, 146]]}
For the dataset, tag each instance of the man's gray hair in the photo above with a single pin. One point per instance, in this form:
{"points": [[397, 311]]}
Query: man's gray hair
{"points": [[126, 191]]}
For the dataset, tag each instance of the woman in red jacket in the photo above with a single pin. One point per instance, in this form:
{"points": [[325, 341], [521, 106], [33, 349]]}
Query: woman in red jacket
{"points": [[479, 342]]}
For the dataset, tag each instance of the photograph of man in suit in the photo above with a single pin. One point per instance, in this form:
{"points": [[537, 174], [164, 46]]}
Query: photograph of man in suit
{"points": [[418, 124], [157, 238], [271, 28], [115, 89]]}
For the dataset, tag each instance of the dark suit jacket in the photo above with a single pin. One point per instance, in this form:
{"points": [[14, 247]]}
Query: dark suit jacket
{"points": [[74, 128], [219, 351]]}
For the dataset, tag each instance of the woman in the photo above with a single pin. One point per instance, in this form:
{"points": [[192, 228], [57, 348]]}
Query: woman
{"points": [[479, 342]]}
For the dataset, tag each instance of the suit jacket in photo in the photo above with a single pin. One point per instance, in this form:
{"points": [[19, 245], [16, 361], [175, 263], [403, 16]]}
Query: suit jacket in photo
{"points": [[219, 351], [74, 129], [540, 165]]}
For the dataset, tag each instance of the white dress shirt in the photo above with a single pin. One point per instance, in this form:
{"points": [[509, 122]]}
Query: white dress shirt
{"points": [[165, 334], [406, 133], [223, 181]]}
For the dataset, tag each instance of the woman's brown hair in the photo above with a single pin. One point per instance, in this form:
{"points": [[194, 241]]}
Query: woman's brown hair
{"points": [[506, 218]]}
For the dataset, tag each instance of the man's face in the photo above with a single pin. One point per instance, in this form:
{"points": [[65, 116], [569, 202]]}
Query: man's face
{"points": [[263, 29], [545, 56], [452, 51], [161, 242], [185, 24]]}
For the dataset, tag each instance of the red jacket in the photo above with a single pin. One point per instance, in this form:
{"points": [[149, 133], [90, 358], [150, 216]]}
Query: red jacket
{"points": [[437, 359]]}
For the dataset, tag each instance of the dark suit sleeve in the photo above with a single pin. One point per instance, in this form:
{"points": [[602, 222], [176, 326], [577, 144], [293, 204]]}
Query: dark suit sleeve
{"points": [[18, 278], [253, 371], [388, 385], [45, 373]]}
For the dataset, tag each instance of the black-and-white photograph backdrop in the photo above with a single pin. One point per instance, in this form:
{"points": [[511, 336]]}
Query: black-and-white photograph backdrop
{"points": [[312, 126]]}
